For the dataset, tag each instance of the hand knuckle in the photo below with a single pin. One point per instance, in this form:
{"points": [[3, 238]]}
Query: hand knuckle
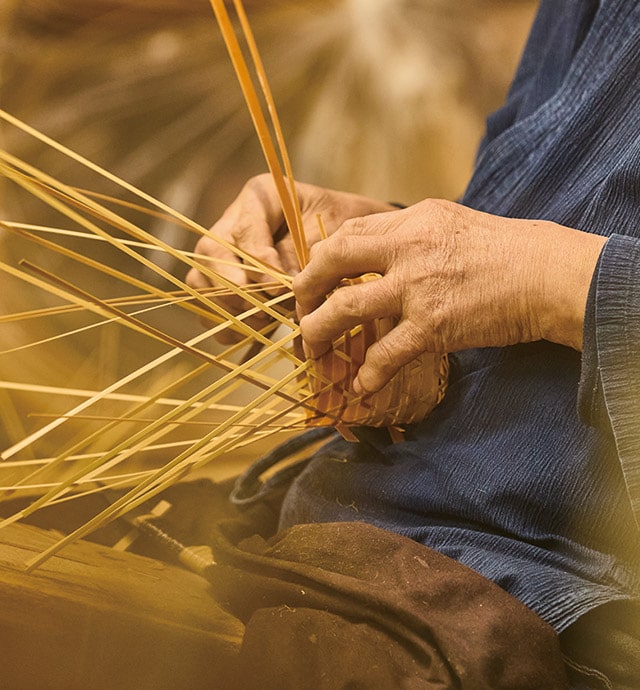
{"points": [[347, 301], [314, 250], [205, 245], [355, 226], [257, 182]]}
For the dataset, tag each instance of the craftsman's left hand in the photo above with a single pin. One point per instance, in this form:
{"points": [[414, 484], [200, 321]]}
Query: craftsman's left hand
{"points": [[454, 278], [255, 224]]}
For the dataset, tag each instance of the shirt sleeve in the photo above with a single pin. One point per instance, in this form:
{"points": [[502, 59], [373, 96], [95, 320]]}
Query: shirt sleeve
{"points": [[609, 392]]}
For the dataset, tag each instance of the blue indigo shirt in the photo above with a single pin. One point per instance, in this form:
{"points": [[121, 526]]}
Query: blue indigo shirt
{"points": [[529, 470]]}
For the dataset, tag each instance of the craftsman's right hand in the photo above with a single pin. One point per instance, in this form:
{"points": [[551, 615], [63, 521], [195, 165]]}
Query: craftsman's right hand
{"points": [[254, 223]]}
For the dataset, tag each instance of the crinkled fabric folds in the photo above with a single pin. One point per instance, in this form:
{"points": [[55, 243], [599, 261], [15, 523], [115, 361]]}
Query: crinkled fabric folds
{"points": [[529, 470], [348, 605]]}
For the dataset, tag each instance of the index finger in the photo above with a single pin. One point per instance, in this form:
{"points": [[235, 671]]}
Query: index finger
{"points": [[336, 258], [214, 259]]}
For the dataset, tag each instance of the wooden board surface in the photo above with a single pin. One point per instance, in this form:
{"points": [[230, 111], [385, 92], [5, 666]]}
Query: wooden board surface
{"points": [[93, 617]]}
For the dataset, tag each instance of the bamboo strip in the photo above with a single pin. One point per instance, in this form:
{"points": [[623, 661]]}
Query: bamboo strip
{"points": [[79, 445], [259, 120], [73, 291], [150, 433], [128, 301], [83, 329], [75, 193], [87, 204], [31, 131], [138, 373], [74, 392], [137, 232], [297, 230], [65, 232], [140, 494], [114, 273], [128, 419], [75, 294]]}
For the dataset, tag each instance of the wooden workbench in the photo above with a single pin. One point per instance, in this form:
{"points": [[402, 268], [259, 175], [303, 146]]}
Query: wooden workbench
{"points": [[93, 618]]}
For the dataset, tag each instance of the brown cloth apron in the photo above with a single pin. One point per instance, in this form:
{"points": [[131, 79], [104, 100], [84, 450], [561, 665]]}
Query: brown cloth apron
{"points": [[350, 606]]}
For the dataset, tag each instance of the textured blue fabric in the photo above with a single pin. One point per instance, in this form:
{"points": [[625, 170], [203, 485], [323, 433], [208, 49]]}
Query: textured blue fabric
{"points": [[529, 471]]}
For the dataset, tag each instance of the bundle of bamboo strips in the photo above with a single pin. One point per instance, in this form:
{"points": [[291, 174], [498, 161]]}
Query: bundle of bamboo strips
{"points": [[279, 402], [254, 389]]}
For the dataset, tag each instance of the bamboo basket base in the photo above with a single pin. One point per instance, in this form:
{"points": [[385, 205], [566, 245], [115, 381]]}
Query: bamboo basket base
{"points": [[93, 617]]}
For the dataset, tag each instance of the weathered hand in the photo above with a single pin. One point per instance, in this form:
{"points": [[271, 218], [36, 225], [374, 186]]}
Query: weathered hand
{"points": [[453, 277], [255, 224]]}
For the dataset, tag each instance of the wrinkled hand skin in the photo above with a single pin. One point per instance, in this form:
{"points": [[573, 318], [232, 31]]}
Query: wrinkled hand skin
{"points": [[254, 223], [454, 278]]}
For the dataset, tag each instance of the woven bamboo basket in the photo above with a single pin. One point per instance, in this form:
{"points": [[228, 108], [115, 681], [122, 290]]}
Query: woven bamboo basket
{"points": [[408, 397]]}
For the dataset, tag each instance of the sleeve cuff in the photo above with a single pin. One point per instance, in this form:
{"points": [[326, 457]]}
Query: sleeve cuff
{"points": [[590, 394], [609, 392]]}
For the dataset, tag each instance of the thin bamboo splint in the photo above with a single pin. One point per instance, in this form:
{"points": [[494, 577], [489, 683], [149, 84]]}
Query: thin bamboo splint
{"points": [[143, 429]]}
